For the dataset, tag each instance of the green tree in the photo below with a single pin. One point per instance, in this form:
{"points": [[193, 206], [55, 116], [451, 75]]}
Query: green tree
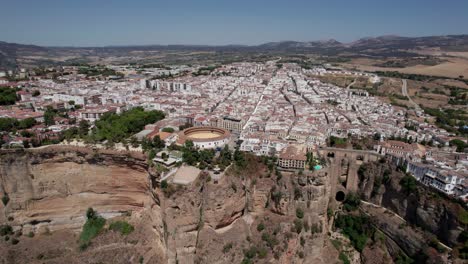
{"points": [[168, 130], [357, 228], [408, 184], [225, 156], [49, 116], [239, 159], [27, 123], [189, 144], [118, 127], [461, 145], [158, 142], [8, 124], [83, 128], [151, 154], [7, 96], [206, 155]]}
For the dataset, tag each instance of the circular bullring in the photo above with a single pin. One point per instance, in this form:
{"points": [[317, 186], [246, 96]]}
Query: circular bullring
{"points": [[205, 137]]}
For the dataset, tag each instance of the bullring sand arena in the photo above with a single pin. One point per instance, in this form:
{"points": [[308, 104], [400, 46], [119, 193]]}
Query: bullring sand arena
{"points": [[208, 134], [204, 137]]}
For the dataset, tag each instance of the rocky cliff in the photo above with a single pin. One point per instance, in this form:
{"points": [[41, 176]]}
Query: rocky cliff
{"points": [[432, 215], [49, 191], [250, 214], [220, 222], [54, 187]]}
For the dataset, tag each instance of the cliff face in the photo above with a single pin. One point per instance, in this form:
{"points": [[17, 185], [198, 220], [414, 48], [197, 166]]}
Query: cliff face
{"points": [[216, 222], [53, 188], [206, 222], [421, 207]]}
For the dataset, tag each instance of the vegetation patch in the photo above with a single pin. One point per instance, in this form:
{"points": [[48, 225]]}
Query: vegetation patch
{"points": [[351, 202], [357, 228], [6, 230], [344, 258], [408, 184], [117, 127], [227, 248], [5, 200], [7, 96], [93, 226], [337, 142], [449, 119], [299, 213], [121, 226]]}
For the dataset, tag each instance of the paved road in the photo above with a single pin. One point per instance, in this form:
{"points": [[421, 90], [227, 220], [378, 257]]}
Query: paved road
{"points": [[351, 84], [404, 91]]}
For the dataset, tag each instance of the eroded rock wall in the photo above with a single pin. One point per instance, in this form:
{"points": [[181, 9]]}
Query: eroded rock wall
{"points": [[216, 222], [422, 207], [53, 189], [205, 222]]}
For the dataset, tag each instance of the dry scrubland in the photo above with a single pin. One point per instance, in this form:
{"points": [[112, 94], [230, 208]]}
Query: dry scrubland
{"points": [[452, 67]]}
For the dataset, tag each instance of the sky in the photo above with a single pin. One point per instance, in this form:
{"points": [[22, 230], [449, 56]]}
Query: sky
{"points": [[222, 22]]}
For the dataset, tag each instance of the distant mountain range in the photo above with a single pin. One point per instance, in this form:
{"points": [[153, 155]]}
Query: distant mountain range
{"points": [[13, 55]]}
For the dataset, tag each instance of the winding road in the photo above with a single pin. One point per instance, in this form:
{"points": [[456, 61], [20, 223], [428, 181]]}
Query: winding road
{"points": [[404, 91], [351, 84]]}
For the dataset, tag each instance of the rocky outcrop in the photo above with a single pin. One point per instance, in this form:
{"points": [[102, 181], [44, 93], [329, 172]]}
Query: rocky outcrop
{"points": [[205, 222], [423, 207], [52, 188], [215, 222]]}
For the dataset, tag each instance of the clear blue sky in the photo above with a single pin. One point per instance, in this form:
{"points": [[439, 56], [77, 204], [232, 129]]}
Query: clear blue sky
{"points": [[119, 22]]}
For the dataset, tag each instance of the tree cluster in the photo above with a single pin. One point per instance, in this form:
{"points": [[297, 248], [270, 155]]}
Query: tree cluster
{"points": [[7, 96], [12, 124], [357, 228], [117, 127]]}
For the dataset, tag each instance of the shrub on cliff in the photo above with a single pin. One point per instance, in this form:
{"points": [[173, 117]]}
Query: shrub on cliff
{"points": [[90, 213], [250, 253], [463, 217], [351, 202], [122, 226], [164, 184], [357, 228], [344, 258], [93, 226], [227, 248], [6, 230], [299, 213], [5, 200], [14, 241], [260, 227], [298, 225], [271, 241]]}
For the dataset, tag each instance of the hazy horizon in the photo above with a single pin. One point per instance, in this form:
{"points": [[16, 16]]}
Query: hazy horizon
{"points": [[228, 44], [103, 23]]}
